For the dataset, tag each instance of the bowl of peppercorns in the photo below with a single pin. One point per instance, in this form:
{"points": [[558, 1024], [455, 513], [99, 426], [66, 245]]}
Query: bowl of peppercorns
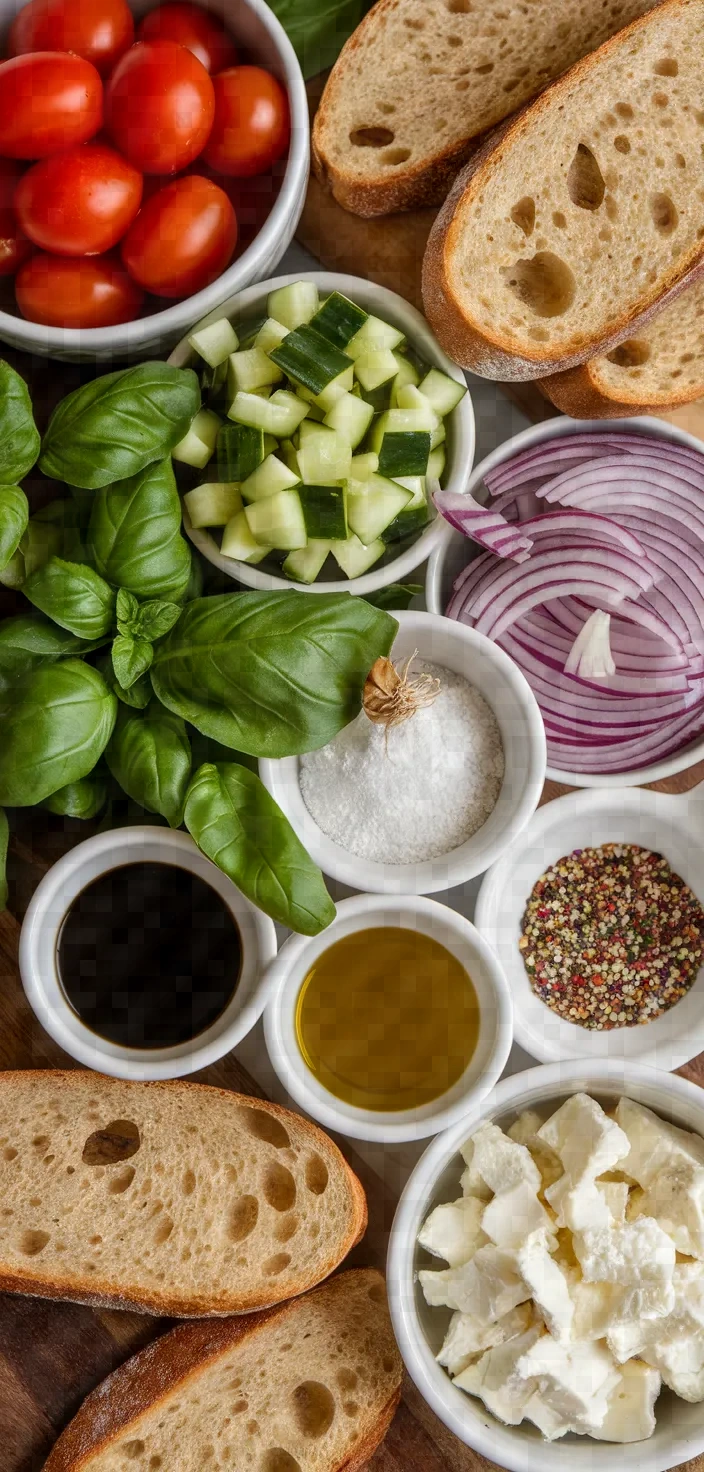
{"points": [[596, 912]]}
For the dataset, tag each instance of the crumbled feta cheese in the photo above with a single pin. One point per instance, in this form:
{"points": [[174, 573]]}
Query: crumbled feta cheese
{"points": [[639, 1256], [579, 1207], [653, 1143], [453, 1231], [489, 1286], [547, 1284], [630, 1415], [513, 1215], [548, 1421], [681, 1365], [525, 1132], [500, 1162], [586, 1140], [596, 1306], [471, 1183], [675, 1198], [574, 1380], [495, 1379], [468, 1336]]}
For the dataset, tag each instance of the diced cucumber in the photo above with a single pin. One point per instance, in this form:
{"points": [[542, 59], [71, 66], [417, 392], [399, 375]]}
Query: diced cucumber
{"points": [[407, 373], [305, 564], [354, 557], [324, 511], [279, 415], [416, 485], [240, 451], [289, 454], [362, 466], [410, 397], [250, 369], [310, 359], [323, 455], [351, 418], [198, 444], [374, 336], [268, 479], [401, 421], [372, 504], [339, 319], [213, 504], [436, 463], [215, 343], [238, 542], [411, 519], [270, 335], [261, 393], [293, 305], [443, 393], [343, 384], [213, 380], [278, 521], [438, 436], [374, 368], [404, 454]]}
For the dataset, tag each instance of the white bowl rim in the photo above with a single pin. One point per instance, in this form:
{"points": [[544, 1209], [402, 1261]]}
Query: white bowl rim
{"points": [[63, 882], [462, 417], [491, 1439], [128, 337], [556, 426], [288, 972], [431, 875]]}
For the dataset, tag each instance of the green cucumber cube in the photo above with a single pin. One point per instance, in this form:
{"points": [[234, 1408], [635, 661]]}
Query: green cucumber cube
{"points": [[323, 456], [438, 436], [293, 305], [411, 519], [372, 504], [416, 485], [310, 359], [324, 512], [436, 463], [354, 557], [251, 369], [268, 479], [270, 335], [443, 392], [198, 443], [410, 397], [213, 504], [404, 454], [407, 373], [303, 566], [215, 343], [289, 454], [350, 417], [238, 542], [362, 466], [339, 319], [373, 337], [288, 412], [278, 521], [402, 421], [240, 451], [374, 368]]}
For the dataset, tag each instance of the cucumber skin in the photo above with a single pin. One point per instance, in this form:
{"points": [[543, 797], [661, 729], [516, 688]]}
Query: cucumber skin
{"points": [[310, 359], [338, 319], [324, 513], [406, 523], [404, 454], [240, 450]]}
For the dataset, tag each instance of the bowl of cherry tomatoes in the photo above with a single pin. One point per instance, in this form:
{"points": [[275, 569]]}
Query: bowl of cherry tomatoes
{"points": [[153, 160]]}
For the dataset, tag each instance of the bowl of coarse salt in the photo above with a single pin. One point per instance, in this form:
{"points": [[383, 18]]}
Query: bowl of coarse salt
{"points": [[436, 776]]}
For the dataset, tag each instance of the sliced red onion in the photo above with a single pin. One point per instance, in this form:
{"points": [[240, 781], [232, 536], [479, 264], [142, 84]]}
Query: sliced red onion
{"points": [[482, 525]]}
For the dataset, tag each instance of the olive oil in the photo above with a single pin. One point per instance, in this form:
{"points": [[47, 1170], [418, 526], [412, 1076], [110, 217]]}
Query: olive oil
{"points": [[387, 1019]]}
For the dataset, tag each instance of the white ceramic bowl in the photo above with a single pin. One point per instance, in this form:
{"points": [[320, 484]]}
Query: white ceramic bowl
{"points": [[245, 307], [459, 936], [38, 955], [255, 27], [501, 683], [454, 551], [673, 826], [420, 1330]]}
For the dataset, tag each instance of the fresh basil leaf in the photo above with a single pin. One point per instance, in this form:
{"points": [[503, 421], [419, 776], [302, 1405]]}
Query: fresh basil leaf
{"points": [[74, 596], [237, 824], [150, 756], [135, 537], [19, 436], [39, 542], [126, 610], [131, 658], [56, 722], [319, 28], [4, 841], [29, 641], [118, 424], [272, 674], [397, 595], [83, 799], [194, 586], [154, 619], [14, 519], [137, 697]]}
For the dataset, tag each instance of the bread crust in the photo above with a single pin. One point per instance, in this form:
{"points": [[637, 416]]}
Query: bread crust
{"points": [[150, 1377], [110, 1294], [577, 392], [492, 355]]}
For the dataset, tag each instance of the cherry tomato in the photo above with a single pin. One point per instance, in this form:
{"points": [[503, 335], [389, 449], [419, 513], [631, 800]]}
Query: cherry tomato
{"points": [[14, 245], [81, 202], [61, 291], [98, 30], [251, 128], [193, 27], [48, 101], [160, 106], [182, 239]]}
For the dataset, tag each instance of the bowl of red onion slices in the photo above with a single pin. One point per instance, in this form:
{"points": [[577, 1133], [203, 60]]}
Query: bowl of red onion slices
{"points": [[579, 549]]}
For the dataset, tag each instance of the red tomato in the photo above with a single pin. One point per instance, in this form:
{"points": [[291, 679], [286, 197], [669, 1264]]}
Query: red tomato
{"points": [[160, 106], [81, 202], [190, 26], [98, 30], [61, 291], [14, 246], [251, 128], [48, 101], [182, 239]]}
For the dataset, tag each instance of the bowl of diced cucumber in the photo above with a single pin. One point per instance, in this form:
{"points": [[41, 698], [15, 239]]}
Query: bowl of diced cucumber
{"points": [[329, 416]]}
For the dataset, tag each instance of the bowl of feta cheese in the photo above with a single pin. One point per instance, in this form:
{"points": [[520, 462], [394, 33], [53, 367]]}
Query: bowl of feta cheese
{"points": [[546, 1271]]}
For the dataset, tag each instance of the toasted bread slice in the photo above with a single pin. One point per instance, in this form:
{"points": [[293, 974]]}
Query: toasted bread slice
{"points": [[172, 1198], [584, 215], [420, 81], [310, 1387], [661, 368]]}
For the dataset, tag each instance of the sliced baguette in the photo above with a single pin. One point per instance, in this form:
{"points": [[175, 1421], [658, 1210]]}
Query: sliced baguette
{"points": [[421, 80], [173, 1198], [310, 1387], [661, 368], [584, 215]]}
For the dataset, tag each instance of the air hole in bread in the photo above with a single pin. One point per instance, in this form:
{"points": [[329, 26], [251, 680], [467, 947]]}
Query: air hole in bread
{"points": [[277, 1460], [387, 108], [188, 1183], [287, 1229], [9, 1153], [611, 207], [459, 7], [265, 1126], [243, 1218], [276, 1264], [544, 283], [462, 87], [680, 160], [313, 1409], [32, 1243], [511, 85], [155, 1461], [660, 99], [350, 1408], [454, 41], [118, 1141], [585, 182], [624, 110], [371, 137], [414, 23], [122, 1181], [664, 213], [523, 214], [485, 68], [95, 1241], [559, 220], [622, 143], [239, 1407], [279, 1187], [667, 67], [133, 1449], [164, 1230], [346, 1379], [630, 354], [395, 155], [316, 1175], [40, 1142]]}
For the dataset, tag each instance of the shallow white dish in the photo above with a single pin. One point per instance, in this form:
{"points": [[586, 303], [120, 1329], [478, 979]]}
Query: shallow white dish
{"points": [[420, 1330], [257, 30], [245, 307], [673, 826], [460, 937], [38, 955], [501, 683], [454, 551]]}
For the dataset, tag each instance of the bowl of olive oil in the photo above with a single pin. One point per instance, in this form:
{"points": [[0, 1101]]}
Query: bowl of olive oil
{"points": [[393, 1022]]}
